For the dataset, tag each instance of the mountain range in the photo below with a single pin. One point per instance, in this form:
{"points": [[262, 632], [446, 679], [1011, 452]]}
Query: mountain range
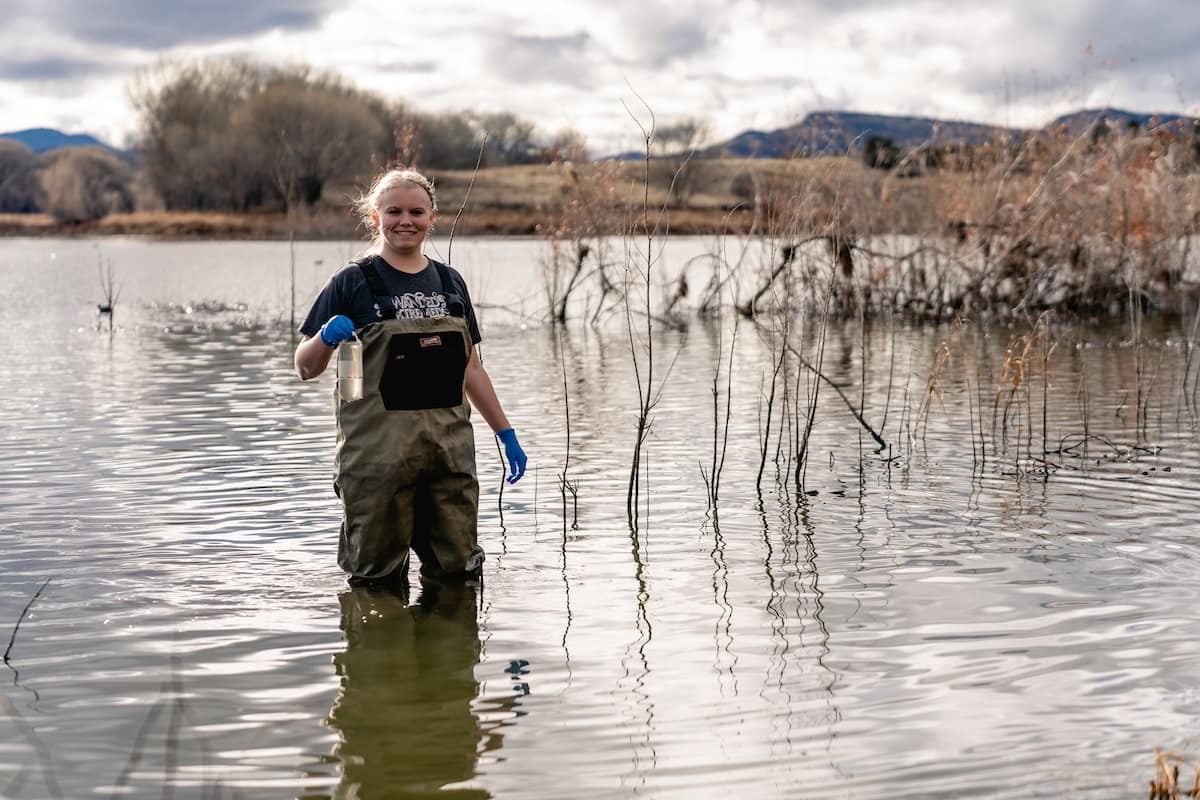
{"points": [[834, 132], [820, 132], [39, 140]]}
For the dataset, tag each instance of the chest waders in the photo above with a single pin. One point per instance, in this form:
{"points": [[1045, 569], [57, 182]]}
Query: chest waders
{"points": [[405, 460]]}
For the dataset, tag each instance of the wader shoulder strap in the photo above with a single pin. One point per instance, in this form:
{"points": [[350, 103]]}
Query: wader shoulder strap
{"points": [[454, 303], [378, 290]]}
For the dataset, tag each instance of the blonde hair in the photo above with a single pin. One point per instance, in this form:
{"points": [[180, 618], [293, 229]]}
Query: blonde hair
{"points": [[367, 204]]}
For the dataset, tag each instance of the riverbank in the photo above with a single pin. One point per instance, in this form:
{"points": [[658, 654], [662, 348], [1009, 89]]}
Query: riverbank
{"points": [[998, 228], [702, 197], [321, 224], [330, 224]]}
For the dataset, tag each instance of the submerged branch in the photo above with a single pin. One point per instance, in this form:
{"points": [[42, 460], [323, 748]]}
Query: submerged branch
{"points": [[44, 756], [854, 411], [748, 309]]}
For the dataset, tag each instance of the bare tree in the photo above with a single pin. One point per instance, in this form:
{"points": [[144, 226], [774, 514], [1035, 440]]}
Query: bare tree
{"points": [[674, 147], [85, 183], [447, 141], [313, 129], [187, 149], [218, 134], [19, 188], [568, 145], [454, 140], [510, 140]]}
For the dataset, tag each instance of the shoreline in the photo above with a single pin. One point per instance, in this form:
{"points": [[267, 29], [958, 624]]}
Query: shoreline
{"points": [[334, 226]]}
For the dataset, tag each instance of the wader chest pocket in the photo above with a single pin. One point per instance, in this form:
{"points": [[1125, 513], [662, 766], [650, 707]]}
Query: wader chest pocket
{"points": [[424, 370]]}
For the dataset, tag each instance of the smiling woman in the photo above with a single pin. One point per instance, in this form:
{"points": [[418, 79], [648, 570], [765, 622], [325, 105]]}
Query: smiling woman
{"points": [[405, 460]]}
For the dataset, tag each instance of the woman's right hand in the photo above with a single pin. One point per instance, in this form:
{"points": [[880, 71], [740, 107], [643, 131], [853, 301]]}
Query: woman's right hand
{"points": [[338, 329]]}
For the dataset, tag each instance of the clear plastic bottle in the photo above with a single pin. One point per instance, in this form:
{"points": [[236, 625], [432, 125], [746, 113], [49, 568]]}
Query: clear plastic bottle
{"points": [[350, 370]]}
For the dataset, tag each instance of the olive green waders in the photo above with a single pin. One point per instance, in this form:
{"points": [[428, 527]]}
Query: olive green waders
{"points": [[405, 460]]}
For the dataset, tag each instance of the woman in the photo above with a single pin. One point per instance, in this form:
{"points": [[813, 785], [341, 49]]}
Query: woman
{"points": [[405, 460]]}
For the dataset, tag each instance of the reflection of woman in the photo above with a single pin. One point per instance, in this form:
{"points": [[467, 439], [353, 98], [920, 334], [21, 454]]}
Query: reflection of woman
{"points": [[405, 460], [408, 680]]}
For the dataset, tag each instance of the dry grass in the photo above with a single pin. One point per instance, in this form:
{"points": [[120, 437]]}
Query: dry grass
{"points": [[28, 225], [1166, 784], [525, 200], [721, 192], [1058, 219], [182, 225]]}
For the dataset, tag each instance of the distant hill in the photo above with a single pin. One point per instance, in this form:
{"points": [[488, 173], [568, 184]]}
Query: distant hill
{"points": [[39, 140], [837, 132], [1080, 121]]}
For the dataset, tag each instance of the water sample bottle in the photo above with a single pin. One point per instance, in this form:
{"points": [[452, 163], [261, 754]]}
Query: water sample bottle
{"points": [[349, 370]]}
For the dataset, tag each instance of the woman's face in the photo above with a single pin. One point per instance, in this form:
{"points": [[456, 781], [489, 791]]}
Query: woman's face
{"points": [[403, 217]]}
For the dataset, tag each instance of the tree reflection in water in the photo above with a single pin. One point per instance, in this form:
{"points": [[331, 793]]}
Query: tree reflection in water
{"points": [[407, 683]]}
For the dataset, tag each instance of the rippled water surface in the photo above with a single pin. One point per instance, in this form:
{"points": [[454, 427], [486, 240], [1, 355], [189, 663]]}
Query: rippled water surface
{"points": [[941, 619]]}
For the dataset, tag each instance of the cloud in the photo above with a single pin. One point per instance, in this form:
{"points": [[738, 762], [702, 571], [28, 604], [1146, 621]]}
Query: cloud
{"points": [[1152, 33], [152, 24], [408, 67], [568, 59], [1039, 60], [742, 63], [52, 69], [661, 38], [655, 33]]}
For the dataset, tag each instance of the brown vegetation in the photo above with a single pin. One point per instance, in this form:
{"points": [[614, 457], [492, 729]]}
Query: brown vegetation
{"points": [[518, 200], [19, 189], [234, 135], [1090, 221], [85, 183], [1167, 783]]}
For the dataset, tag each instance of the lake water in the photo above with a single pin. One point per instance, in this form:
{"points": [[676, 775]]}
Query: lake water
{"points": [[939, 619]]}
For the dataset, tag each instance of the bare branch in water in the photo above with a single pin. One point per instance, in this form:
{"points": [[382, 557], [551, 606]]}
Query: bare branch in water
{"points": [[12, 639], [857, 414]]}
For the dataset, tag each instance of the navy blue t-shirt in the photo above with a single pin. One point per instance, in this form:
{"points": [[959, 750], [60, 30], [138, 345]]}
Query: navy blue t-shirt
{"points": [[414, 296]]}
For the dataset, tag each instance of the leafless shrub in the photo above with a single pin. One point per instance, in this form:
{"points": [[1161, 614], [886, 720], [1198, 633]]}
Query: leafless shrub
{"points": [[215, 133], [579, 255], [20, 191], [568, 145], [82, 184], [674, 152], [1008, 227]]}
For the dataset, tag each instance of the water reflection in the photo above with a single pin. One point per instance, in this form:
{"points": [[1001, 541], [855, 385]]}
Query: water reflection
{"points": [[964, 614], [403, 714]]}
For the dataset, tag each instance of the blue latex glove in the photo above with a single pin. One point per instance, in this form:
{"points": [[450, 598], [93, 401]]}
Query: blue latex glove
{"points": [[337, 329], [514, 454]]}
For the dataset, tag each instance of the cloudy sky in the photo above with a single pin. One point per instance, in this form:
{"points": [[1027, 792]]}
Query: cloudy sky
{"points": [[740, 64]]}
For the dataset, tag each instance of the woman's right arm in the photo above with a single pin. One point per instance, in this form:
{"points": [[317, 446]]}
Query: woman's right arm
{"points": [[312, 354], [312, 357]]}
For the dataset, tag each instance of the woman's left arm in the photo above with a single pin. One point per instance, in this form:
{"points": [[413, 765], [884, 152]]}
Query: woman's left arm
{"points": [[482, 394]]}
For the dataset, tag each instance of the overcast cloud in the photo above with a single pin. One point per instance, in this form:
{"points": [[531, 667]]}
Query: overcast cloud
{"points": [[740, 64], [154, 25]]}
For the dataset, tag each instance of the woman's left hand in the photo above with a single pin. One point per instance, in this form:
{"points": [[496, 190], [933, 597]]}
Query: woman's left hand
{"points": [[513, 452]]}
